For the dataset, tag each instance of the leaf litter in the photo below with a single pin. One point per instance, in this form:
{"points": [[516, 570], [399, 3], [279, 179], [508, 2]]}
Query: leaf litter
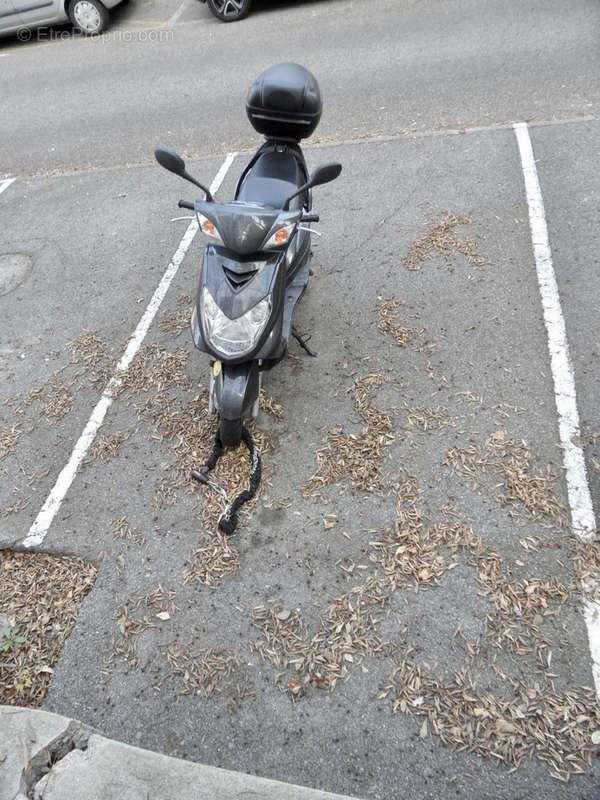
{"points": [[40, 595], [536, 721], [427, 419], [8, 440], [188, 431], [202, 673], [388, 323], [175, 322], [156, 372], [210, 563], [156, 369], [56, 399], [413, 556], [356, 458], [53, 397], [562, 729], [347, 629], [122, 529], [407, 556], [90, 351], [533, 719], [107, 446], [442, 238], [524, 483], [136, 615]]}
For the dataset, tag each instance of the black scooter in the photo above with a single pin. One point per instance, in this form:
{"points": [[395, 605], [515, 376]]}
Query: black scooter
{"points": [[257, 262]]}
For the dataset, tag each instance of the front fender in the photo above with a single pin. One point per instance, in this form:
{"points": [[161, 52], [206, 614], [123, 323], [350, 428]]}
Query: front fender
{"points": [[236, 388]]}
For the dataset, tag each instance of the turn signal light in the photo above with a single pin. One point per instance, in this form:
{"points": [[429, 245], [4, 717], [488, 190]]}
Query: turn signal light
{"points": [[208, 227], [282, 235]]}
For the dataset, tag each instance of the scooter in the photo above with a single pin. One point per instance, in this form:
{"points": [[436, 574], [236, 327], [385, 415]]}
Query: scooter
{"points": [[257, 261]]}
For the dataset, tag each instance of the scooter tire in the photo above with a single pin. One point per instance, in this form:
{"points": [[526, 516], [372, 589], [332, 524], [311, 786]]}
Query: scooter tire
{"points": [[222, 10], [230, 432]]}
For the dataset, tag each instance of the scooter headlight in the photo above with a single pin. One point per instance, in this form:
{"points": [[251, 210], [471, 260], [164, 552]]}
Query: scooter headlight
{"points": [[234, 337], [209, 228]]}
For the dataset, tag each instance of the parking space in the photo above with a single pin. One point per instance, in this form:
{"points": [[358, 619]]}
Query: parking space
{"points": [[100, 244], [343, 598]]}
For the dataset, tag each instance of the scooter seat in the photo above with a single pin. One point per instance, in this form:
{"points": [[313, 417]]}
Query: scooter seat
{"points": [[272, 179]]}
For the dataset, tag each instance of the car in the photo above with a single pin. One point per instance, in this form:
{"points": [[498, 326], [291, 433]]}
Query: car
{"points": [[88, 16], [228, 10]]}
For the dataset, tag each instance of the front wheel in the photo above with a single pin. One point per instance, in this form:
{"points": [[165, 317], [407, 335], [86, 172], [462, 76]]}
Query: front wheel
{"points": [[89, 16], [229, 10], [230, 432]]}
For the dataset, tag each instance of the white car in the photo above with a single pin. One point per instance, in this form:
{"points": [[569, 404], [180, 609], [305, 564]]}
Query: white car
{"points": [[88, 16]]}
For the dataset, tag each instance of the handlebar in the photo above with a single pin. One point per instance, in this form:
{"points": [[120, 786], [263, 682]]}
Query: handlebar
{"points": [[186, 204]]}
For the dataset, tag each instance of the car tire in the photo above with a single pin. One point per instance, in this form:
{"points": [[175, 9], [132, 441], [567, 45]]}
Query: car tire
{"points": [[229, 10], [230, 432], [88, 16]]}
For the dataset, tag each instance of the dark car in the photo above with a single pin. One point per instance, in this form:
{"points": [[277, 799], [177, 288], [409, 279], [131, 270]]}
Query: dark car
{"points": [[229, 10]]}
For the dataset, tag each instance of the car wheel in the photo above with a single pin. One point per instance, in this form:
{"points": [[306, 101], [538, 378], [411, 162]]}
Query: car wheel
{"points": [[229, 10], [88, 16]]}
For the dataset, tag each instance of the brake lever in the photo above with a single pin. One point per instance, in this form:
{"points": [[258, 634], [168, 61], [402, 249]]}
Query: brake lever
{"points": [[309, 230]]}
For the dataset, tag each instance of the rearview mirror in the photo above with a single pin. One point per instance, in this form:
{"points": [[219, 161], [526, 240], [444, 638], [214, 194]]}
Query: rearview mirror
{"points": [[175, 163], [323, 174], [170, 160]]}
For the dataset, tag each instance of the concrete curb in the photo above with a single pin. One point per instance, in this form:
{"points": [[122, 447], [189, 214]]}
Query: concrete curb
{"points": [[46, 756]]}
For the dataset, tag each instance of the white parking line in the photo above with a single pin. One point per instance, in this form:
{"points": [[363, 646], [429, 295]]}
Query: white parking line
{"points": [[4, 184], [583, 519], [41, 525], [175, 17]]}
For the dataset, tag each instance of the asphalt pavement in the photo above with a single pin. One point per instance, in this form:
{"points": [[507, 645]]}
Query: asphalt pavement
{"points": [[419, 101], [384, 66]]}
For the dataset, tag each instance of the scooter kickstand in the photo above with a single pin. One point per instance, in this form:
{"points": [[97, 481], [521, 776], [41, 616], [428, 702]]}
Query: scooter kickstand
{"points": [[302, 341]]}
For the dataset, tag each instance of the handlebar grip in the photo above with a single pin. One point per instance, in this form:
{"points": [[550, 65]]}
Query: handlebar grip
{"points": [[310, 218], [186, 204]]}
